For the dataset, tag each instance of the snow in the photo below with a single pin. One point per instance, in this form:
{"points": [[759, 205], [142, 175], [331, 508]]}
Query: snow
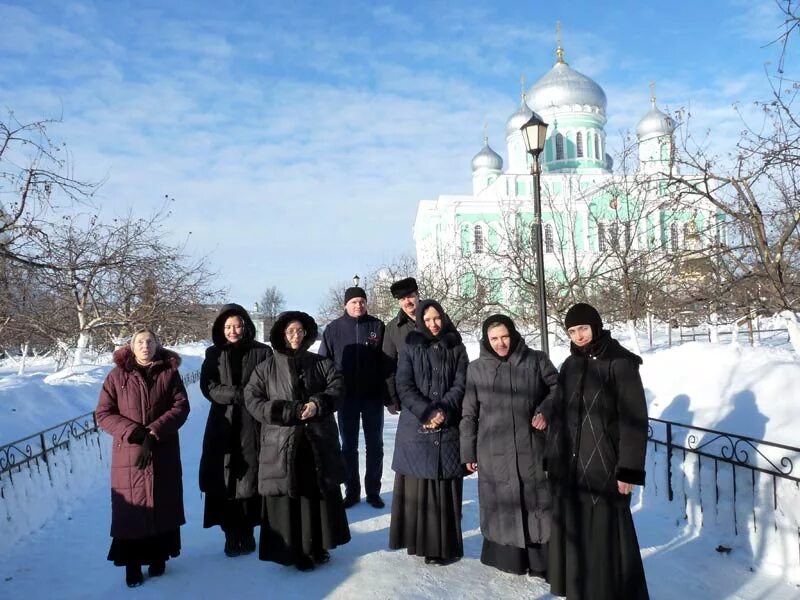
{"points": [[55, 535]]}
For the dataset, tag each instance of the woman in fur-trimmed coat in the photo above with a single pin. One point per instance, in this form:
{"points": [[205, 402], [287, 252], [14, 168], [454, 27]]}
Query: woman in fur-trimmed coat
{"points": [[142, 404]]}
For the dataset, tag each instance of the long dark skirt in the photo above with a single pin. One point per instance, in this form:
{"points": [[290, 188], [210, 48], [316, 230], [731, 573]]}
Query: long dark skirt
{"points": [[311, 522], [594, 552], [531, 559], [426, 517], [146, 551], [231, 514]]}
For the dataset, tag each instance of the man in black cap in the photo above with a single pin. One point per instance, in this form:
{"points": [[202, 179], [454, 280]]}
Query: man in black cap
{"points": [[353, 342], [407, 294]]}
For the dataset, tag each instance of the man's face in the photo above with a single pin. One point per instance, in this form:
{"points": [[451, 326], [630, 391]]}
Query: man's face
{"points": [[408, 304], [356, 307]]}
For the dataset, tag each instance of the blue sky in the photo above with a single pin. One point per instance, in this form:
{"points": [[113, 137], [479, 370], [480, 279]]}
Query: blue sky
{"points": [[297, 137]]}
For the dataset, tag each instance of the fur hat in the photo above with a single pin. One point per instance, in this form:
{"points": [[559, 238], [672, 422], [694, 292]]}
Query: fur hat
{"points": [[404, 287], [354, 292]]}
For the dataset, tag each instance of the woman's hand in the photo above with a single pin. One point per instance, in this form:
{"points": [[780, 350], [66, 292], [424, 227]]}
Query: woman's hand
{"points": [[539, 422], [624, 488], [309, 411], [436, 420], [472, 467]]}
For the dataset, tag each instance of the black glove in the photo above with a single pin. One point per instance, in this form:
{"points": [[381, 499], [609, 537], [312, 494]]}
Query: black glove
{"points": [[138, 435], [146, 454]]}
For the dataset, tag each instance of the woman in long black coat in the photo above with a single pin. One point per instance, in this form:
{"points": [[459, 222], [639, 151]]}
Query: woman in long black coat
{"points": [[510, 397], [294, 394], [428, 484], [596, 456], [229, 463]]}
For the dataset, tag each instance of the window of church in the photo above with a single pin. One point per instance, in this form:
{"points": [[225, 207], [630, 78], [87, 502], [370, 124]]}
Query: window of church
{"points": [[559, 146], [613, 236], [548, 239], [478, 239], [579, 144], [674, 242], [628, 234], [601, 237], [597, 146]]}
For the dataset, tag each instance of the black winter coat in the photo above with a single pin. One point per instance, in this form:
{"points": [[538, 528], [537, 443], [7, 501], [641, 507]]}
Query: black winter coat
{"points": [[229, 463], [501, 399], [394, 340], [354, 345], [601, 424], [275, 395], [431, 375]]}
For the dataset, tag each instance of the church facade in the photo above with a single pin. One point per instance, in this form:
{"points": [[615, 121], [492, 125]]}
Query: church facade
{"points": [[592, 212]]}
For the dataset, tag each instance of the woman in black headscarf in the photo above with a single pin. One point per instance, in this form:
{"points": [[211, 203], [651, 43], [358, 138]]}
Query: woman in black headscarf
{"points": [[596, 459], [428, 484], [511, 392]]}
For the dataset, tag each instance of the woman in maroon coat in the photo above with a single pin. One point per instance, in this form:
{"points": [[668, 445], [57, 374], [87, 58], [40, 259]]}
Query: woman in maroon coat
{"points": [[142, 404]]}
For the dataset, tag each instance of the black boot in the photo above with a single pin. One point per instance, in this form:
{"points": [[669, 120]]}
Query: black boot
{"points": [[304, 563], [248, 541], [232, 545], [133, 575], [156, 569]]}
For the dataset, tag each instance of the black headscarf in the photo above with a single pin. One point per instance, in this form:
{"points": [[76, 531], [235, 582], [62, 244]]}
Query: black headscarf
{"points": [[499, 319]]}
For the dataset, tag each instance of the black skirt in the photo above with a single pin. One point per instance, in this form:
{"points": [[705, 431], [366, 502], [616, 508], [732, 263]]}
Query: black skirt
{"points": [[426, 517], [231, 514], [594, 552], [145, 551], [311, 522], [532, 559]]}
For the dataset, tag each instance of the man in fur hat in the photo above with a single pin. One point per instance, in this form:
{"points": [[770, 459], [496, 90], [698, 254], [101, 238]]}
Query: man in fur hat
{"points": [[407, 294]]}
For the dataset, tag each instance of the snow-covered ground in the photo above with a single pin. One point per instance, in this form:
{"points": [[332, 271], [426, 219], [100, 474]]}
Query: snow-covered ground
{"points": [[749, 391]]}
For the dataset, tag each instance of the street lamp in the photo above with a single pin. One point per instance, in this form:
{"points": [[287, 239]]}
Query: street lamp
{"points": [[356, 280], [534, 133]]}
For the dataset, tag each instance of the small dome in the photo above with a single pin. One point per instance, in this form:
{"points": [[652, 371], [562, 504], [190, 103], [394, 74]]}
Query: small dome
{"points": [[487, 159], [655, 123], [563, 85], [519, 118]]}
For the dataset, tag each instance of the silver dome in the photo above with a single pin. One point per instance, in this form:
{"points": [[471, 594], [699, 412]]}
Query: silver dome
{"points": [[519, 118], [563, 85], [487, 159], [655, 122]]}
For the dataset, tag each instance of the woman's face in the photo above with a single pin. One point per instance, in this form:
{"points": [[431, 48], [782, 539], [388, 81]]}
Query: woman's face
{"points": [[294, 334], [499, 339], [234, 329], [144, 347], [580, 335], [432, 320]]}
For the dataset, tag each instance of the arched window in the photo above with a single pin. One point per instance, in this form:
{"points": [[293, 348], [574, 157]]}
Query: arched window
{"points": [[674, 242], [579, 143], [559, 146], [478, 239], [597, 147], [614, 235], [601, 237], [628, 234], [548, 239]]}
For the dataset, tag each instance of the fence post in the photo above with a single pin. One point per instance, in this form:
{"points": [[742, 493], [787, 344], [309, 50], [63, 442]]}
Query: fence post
{"points": [[669, 461], [44, 456]]}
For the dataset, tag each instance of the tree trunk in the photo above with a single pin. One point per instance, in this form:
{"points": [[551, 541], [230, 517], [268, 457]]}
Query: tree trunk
{"points": [[735, 333], [23, 359], [80, 347], [634, 338], [794, 330], [713, 329]]}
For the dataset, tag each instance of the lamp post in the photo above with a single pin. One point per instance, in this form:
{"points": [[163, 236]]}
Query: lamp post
{"points": [[534, 133], [356, 280]]}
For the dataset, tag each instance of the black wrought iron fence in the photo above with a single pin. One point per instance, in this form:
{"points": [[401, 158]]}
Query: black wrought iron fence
{"points": [[720, 450], [36, 449]]}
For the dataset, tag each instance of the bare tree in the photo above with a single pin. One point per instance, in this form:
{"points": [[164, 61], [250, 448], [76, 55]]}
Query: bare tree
{"points": [[271, 305], [332, 305]]}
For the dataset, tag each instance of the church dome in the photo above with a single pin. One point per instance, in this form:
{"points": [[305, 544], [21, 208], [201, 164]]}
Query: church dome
{"points": [[563, 85], [487, 159], [655, 123], [519, 118]]}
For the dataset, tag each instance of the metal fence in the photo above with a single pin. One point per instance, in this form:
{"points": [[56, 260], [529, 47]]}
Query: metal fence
{"points": [[751, 336], [36, 449], [719, 450]]}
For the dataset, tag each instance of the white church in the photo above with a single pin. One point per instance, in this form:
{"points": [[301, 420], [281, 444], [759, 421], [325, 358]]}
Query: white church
{"points": [[588, 209]]}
